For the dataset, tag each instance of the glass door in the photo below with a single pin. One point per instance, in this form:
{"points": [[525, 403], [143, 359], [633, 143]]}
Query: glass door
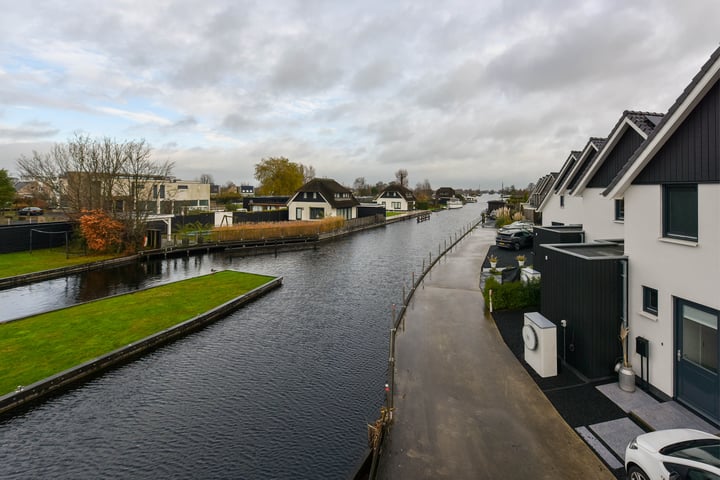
{"points": [[697, 357]]}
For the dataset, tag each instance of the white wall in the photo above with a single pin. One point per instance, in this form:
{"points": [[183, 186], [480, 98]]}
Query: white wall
{"points": [[674, 269], [570, 213], [306, 209], [598, 217]]}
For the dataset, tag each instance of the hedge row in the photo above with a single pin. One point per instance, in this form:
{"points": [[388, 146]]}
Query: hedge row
{"points": [[512, 295]]}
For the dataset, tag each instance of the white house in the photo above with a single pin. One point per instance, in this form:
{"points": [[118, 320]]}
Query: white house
{"points": [[558, 208], [322, 198], [396, 198], [671, 193]]}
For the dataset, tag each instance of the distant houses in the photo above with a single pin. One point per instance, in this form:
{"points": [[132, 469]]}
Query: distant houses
{"points": [[396, 198], [647, 199], [321, 198]]}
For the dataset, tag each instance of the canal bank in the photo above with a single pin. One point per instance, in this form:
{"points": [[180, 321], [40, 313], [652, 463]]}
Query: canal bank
{"points": [[26, 394], [464, 406]]}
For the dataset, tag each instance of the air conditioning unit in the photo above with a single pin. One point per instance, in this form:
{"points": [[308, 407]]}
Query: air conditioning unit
{"points": [[540, 339]]}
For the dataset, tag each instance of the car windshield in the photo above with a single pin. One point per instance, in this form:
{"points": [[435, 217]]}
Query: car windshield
{"points": [[705, 451]]}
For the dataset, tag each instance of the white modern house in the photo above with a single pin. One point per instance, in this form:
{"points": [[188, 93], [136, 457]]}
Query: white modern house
{"points": [[670, 188], [396, 198], [322, 198], [555, 207]]}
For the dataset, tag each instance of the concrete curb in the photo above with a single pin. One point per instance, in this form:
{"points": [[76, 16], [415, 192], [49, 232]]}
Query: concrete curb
{"points": [[92, 368]]}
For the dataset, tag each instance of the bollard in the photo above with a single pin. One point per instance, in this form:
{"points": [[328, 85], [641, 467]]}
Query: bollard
{"points": [[413, 279]]}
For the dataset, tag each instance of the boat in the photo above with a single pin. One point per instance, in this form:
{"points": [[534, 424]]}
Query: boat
{"points": [[454, 203]]}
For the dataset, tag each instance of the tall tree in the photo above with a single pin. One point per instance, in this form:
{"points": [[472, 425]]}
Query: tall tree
{"points": [[402, 177], [278, 176], [206, 178], [101, 174], [7, 189], [423, 191], [308, 173]]}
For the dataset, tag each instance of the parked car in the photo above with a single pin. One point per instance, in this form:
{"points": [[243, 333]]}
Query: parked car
{"points": [[30, 211], [677, 454], [514, 238], [520, 224]]}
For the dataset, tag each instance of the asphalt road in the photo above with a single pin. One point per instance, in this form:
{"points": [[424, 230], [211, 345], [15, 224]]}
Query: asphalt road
{"points": [[464, 406]]}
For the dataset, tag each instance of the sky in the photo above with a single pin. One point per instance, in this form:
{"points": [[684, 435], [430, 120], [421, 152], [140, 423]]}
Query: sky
{"points": [[465, 94]]}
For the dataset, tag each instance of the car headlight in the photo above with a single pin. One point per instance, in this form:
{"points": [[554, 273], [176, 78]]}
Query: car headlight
{"points": [[633, 444]]}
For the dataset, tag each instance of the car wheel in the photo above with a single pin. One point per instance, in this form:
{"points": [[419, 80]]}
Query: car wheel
{"points": [[517, 246], [637, 473]]}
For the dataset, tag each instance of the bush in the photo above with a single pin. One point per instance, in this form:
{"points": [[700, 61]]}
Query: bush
{"points": [[512, 295]]}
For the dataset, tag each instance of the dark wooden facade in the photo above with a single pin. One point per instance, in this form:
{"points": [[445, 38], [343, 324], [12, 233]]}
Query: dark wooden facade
{"points": [[621, 152], [586, 289], [551, 235], [583, 168], [692, 154]]}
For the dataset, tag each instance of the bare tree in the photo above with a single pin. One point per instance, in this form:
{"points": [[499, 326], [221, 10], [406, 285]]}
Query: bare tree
{"points": [[423, 191], [308, 173], [206, 178], [402, 177], [91, 174]]}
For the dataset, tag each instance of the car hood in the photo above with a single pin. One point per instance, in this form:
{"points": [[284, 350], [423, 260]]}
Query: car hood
{"points": [[654, 441]]}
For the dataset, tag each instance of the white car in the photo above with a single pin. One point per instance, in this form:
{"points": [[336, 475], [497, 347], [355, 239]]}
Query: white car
{"points": [[678, 454]]}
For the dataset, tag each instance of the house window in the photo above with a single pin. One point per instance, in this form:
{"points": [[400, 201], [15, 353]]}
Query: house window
{"points": [[396, 205], [680, 212], [317, 213], [620, 209], [182, 187], [650, 300], [562, 201], [298, 213]]}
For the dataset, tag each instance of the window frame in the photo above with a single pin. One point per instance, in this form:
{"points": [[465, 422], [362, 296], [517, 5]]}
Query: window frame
{"points": [[648, 305], [670, 227], [620, 209]]}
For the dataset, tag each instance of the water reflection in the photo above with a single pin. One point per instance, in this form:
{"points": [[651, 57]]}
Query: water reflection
{"points": [[282, 388]]}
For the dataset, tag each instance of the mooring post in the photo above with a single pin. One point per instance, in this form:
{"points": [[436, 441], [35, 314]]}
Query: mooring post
{"points": [[413, 279]]}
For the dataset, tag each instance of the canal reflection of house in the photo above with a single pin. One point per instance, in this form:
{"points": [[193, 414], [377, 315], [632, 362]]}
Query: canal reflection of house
{"points": [[655, 185], [322, 198]]}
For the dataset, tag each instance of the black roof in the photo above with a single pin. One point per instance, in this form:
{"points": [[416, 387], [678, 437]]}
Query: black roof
{"points": [[406, 193], [658, 127], [331, 191]]}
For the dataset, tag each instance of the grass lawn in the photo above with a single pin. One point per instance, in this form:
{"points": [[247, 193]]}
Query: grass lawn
{"points": [[393, 214], [12, 264], [40, 346]]}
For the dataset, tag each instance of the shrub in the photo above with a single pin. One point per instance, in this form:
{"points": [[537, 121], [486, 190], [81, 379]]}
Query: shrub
{"points": [[512, 295]]}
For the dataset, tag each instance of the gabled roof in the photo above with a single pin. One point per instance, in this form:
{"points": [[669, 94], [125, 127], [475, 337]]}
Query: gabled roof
{"points": [[333, 193], [542, 188], [405, 192], [703, 81], [559, 177], [642, 122], [444, 192], [593, 146]]}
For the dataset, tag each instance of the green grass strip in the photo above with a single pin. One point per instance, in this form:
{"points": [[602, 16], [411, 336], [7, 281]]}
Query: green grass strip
{"points": [[393, 214], [20, 263], [37, 347]]}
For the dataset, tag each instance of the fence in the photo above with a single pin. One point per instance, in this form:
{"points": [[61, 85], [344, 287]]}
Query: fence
{"points": [[377, 431]]}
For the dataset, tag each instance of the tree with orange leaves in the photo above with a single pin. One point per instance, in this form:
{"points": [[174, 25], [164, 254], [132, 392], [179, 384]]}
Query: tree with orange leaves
{"points": [[101, 232]]}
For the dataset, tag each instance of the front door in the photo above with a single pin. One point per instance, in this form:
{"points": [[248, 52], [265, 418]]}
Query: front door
{"points": [[697, 345]]}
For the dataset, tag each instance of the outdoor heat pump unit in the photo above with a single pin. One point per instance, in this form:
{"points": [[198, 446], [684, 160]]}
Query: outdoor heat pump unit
{"points": [[540, 340]]}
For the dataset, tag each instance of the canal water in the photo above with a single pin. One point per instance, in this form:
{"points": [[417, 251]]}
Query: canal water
{"points": [[283, 388]]}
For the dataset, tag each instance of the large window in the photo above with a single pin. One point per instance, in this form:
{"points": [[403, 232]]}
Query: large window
{"points": [[680, 212], [650, 300], [317, 213], [562, 201]]}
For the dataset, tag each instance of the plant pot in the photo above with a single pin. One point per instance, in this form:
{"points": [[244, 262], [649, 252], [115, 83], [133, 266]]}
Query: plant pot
{"points": [[521, 263], [626, 379], [493, 264]]}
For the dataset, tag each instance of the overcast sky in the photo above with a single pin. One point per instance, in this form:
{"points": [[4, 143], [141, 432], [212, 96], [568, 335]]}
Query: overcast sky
{"points": [[467, 94]]}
